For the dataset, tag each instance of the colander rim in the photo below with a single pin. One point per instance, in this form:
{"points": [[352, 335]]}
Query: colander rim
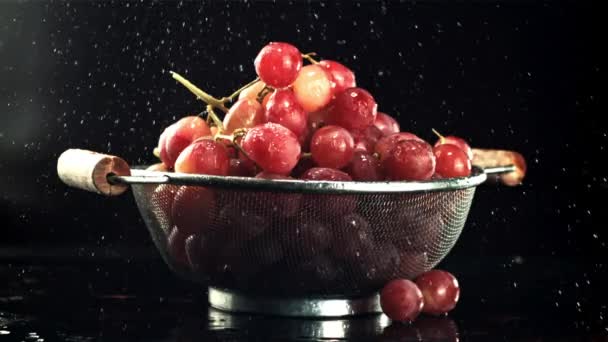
{"points": [[142, 176]]}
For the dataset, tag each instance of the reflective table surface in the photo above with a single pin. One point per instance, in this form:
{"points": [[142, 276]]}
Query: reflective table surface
{"points": [[143, 301]]}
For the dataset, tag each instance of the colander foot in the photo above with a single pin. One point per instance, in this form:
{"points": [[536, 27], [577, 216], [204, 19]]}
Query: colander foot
{"points": [[231, 301]]}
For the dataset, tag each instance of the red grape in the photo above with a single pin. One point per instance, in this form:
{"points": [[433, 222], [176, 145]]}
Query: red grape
{"points": [[451, 161], [252, 92], [410, 160], [386, 124], [241, 167], [401, 300], [278, 64], [341, 76], [161, 202], [353, 109], [329, 205], [366, 139], [176, 247], [193, 207], [309, 238], [440, 290], [179, 135], [332, 146], [204, 157], [312, 88], [192, 246], [272, 147], [325, 174], [386, 144], [245, 113], [284, 109], [352, 238], [461, 143], [364, 167]]}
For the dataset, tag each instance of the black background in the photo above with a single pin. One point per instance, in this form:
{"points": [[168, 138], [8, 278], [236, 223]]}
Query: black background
{"points": [[514, 75]]}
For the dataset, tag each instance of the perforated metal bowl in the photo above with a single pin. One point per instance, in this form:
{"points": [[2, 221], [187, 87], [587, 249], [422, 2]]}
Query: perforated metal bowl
{"points": [[295, 247]]}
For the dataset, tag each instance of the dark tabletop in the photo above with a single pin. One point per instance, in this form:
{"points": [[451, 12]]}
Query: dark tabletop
{"points": [[133, 301]]}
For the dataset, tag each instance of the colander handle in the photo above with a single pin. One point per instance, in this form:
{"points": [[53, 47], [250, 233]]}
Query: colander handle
{"points": [[88, 170], [507, 167]]}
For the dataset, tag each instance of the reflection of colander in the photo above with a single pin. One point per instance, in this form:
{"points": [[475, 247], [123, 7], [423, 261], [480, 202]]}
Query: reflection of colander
{"points": [[288, 247]]}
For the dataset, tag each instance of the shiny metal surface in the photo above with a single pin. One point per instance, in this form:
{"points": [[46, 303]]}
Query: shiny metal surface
{"points": [[477, 177], [298, 307]]}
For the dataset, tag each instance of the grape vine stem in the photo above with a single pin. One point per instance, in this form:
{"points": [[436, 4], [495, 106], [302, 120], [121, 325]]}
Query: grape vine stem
{"points": [[308, 57], [211, 114], [210, 100], [238, 92], [441, 137]]}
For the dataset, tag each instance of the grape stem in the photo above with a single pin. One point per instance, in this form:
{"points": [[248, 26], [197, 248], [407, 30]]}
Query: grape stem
{"points": [[210, 100], [441, 137], [263, 93], [308, 57], [232, 138], [237, 92], [306, 155], [211, 114]]}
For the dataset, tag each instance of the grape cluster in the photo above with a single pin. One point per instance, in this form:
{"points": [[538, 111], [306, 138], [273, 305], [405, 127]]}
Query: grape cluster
{"points": [[310, 122], [296, 117]]}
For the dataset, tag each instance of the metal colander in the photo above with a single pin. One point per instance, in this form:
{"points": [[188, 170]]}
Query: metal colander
{"points": [[301, 244], [286, 239], [284, 246]]}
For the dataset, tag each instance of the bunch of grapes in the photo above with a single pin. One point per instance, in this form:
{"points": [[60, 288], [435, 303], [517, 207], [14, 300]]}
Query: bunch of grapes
{"points": [[304, 121]]}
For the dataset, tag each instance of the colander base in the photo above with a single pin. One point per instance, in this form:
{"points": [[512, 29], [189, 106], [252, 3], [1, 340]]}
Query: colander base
{"points": [[232, 301]]}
